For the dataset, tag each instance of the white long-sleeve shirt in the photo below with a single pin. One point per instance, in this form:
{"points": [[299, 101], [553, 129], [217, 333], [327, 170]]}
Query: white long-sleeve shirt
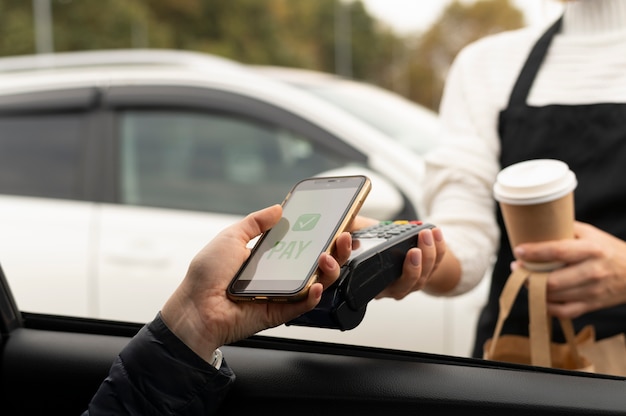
{"points": [[586, 63]]}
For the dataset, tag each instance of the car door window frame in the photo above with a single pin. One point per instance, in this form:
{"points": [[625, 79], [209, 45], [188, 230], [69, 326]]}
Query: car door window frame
{"points": [[118, 99]]}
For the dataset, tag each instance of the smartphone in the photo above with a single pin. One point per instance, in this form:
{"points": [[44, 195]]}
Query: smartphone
{"points": [[283, 263]]}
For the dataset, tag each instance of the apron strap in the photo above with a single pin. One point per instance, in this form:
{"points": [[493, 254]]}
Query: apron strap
{"points": [[532, 65]]}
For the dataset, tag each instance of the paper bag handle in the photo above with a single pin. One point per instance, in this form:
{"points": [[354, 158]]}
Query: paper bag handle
{"points": [[539, 321], [540, 324], [509, 292]]}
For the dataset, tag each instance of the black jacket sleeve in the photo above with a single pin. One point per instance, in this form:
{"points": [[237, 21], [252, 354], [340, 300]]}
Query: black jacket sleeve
{"points": [[157, 374]]}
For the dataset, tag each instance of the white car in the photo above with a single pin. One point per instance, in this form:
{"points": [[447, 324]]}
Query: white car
{"points": [[116, 167], [412, 125]]}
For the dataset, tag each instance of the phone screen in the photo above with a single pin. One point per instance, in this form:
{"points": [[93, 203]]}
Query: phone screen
{"points": [[285, 259]]}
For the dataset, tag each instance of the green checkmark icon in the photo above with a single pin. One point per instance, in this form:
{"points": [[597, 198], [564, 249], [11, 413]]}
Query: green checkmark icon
{"points": [[306, 222]]}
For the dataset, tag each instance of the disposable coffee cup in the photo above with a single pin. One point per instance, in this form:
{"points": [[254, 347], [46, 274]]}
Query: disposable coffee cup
{"points": [[536, 198]]}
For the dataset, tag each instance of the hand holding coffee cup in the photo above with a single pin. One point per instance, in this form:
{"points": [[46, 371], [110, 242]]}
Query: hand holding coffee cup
{"points": [[537, 202]]}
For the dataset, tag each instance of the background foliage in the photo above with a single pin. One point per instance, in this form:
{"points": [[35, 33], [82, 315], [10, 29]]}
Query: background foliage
{"points": [[314, 34]]}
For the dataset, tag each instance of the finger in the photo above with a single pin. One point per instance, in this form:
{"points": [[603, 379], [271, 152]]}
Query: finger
{"points": [[418, 265], [567, 251], [313, 298], [583, 230], [329, 270], [570, 294], [575, 279], [409, 280], [426, 242], [569, 310], [413, 268], [285, 312], [440, 245], [260, 221], [343, 248], [361, 222]]}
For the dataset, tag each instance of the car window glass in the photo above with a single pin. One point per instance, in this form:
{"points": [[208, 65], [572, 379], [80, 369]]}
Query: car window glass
{"points": [[212, 162], [41, 155], [413, 126]]}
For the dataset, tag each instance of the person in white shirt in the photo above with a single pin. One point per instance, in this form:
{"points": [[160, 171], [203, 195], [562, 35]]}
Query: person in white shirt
{"points": [[554, 92]]}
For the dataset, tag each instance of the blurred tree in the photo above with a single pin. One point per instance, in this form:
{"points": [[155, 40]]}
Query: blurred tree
{"points": [[272, 32], [94, 24], [372, 45], [269, 32], [461, 23], [16, 27]]}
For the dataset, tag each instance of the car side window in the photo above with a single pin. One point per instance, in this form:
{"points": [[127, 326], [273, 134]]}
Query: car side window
{"points": [[211, 161], [40, 155]]}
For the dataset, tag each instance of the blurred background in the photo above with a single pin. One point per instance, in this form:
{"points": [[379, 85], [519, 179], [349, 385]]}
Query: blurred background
{"points": [[405, 46], [117, 163]]}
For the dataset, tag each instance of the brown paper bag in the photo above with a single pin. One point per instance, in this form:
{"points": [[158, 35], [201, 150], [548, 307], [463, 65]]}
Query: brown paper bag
{"points": [[580, 352], [608, 355]]}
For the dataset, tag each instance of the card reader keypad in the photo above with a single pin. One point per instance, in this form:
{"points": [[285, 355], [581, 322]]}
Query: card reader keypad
{"points": [[387, 229]]}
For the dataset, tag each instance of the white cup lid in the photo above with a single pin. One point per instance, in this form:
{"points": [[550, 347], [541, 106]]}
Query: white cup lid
{"points": [[534, 182]]}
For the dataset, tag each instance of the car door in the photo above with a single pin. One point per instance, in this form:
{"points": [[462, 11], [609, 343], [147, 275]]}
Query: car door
{"points": [[187, 163], [47, 192], [54, 365]]}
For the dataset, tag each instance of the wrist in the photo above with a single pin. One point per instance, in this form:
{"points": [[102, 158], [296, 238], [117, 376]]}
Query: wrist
{"points": [[445, 278], [190, 329]]}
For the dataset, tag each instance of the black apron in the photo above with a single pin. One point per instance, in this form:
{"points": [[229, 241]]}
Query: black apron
{"points": [[591, 139]]}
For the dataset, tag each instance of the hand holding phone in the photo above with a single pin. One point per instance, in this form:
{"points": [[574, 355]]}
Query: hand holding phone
{"points": [[283, 264]]}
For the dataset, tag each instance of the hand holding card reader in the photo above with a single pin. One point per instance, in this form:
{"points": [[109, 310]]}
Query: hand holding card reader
{"points": [[377, 259]]}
